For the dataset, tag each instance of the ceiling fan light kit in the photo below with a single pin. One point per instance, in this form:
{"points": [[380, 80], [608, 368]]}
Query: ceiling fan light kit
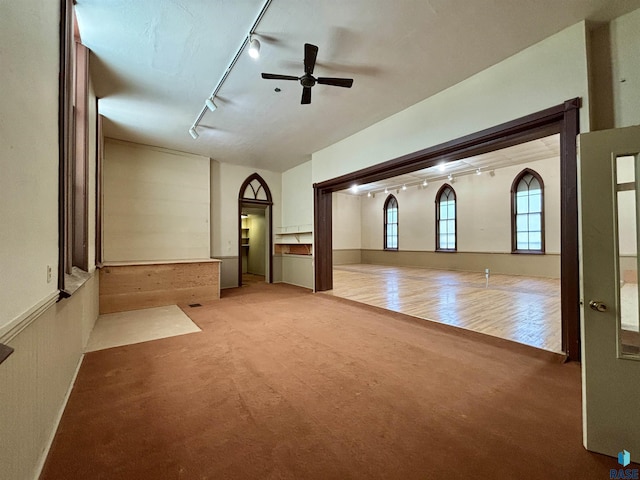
{"points": [[308, 80]]}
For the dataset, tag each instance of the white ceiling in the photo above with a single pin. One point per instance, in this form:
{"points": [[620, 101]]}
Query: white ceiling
{"points": [[156, 61], [523, 153]]}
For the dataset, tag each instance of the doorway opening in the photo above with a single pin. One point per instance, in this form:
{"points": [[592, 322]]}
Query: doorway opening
{"points": [[562, 119], [255, 227], [254, 245], [463, 263]]}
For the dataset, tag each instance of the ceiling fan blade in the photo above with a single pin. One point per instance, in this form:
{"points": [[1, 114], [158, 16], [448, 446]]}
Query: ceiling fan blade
{"points": [[275, 76], [336, 82], [310, 54], [306, 95]]}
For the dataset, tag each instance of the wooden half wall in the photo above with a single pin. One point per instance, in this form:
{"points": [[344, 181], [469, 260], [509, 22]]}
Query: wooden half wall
{"points": [[132, 286]]}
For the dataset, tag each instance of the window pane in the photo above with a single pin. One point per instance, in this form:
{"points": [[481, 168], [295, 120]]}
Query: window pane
{"points": [[442, 241], [535, 240], [443, 210], [521, 223], [522, 242], [522, 204], [451, 241], [451, 210], [535, 223], [451, 226], [535, 202]]}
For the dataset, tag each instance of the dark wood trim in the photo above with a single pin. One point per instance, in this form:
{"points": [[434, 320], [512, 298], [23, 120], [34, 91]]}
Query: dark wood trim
{"points": [[384, 228], [322, 239], [569, 262], [530, 127], [563, 119], [514, 188], [64, 142], [455, 218], [259, 203], [5, 351], [99, 173], [80, 197]]}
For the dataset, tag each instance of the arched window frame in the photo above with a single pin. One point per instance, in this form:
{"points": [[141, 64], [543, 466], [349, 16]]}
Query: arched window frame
{"points": [[442, 190], [514, 228], [391, 202]]}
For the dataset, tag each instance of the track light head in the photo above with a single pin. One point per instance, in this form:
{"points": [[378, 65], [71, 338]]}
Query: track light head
{"points": [[210, 105], [425, 183], [193, 132], [254, 48], [404, 187], [478, 172]]}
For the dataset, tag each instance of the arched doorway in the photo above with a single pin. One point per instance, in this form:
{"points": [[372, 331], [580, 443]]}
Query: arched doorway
{"points": [[255, 195]]}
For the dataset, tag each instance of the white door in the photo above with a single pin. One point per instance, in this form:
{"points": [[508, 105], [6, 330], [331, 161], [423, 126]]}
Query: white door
{"points": [[608, 187]]}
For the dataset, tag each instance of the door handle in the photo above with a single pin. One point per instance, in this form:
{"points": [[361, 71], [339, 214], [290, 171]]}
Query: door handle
{"points": [[597, 306]]}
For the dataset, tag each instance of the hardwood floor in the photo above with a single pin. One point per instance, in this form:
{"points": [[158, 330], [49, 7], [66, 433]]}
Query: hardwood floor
{"points": [[522, 309]]}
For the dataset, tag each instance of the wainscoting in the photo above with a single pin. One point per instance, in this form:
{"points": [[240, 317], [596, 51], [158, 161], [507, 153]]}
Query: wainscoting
{"points": [[547, 265], [131, 286], [36, 379]]}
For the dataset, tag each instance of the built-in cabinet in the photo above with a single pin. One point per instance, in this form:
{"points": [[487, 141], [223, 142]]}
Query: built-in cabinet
{"points": [[294, 240]]}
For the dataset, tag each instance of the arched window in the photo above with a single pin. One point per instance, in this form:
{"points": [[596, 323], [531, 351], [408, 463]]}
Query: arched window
{"points": [[391, 223], [527, 213], [446, 236]]}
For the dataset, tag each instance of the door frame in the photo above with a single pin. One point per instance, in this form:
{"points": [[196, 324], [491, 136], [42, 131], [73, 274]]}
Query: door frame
{"points": [[561, 119], [249, 202]]}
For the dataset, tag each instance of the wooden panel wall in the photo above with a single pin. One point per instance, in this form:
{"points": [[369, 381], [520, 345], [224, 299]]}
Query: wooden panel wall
{"points": [[132, 287]]}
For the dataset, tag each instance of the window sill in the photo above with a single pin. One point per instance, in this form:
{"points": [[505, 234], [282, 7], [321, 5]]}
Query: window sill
{"points": [[390, 249], [528, 252], [73, 281], [442, 250]]}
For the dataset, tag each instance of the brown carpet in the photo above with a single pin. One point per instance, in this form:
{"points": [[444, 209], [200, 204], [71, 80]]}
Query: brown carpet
{"points": [[285, 384]]}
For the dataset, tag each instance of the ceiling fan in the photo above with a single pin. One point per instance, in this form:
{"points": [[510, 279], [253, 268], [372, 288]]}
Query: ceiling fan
{"points": [[308, 80]]}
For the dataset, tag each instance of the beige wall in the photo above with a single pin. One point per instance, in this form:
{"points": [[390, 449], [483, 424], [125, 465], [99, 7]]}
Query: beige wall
{"points": [[297, 211], [257, 244], [483, 208], [48, 337], [625, 48], [347, 219], [226, 180], [156, 204], [28, 155], [541, 76]]}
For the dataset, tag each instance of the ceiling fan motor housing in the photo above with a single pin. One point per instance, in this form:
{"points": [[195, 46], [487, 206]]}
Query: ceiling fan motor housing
{"points": [[307, 80]]}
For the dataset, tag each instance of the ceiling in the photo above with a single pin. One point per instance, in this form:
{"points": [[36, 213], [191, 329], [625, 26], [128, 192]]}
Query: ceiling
{"points": [[156, 61], [523, 153]]}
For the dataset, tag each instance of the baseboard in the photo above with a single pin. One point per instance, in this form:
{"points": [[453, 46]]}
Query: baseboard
{"points": [[45, 452]]}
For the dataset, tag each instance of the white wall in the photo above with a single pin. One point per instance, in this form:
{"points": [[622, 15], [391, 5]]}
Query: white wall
{"points": [[347, 219], [226, 180], [48, 337], [28, 155], [483, 208], [297, 189], [625, 57], [539, 77], [257, 243], [156, 204]]}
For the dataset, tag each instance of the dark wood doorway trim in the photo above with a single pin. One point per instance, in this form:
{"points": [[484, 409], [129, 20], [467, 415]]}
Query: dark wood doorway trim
{"points": [[562, 119], [255, 202]]}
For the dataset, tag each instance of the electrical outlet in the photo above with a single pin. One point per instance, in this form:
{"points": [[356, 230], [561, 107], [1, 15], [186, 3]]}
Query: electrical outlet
{"points": [[48, 273]]}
